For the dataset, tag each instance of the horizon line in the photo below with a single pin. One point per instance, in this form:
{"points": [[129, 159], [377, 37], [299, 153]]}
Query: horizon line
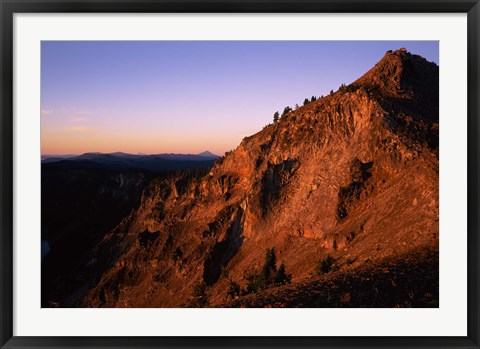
{"points": [[127, 153]]}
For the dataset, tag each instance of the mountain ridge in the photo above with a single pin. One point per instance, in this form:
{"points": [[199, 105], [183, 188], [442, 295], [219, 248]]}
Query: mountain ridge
{"points": [[327, 179], [123, 161], [204, 154]]}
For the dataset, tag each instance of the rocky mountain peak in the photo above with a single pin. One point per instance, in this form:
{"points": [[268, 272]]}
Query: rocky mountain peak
{"points": [[352, 176], [400, 74]]}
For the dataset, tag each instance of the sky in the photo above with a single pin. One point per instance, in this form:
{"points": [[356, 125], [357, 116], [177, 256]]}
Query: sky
{"points": [[155, 97]]}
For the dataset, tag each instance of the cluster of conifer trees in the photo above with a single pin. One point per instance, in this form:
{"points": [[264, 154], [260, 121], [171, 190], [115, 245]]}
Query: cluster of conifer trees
{"points": [[287, 109], [268, 276]]}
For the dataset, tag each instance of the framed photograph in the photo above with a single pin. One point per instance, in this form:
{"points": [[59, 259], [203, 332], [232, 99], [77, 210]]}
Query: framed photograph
{"points": [[239, 174]]}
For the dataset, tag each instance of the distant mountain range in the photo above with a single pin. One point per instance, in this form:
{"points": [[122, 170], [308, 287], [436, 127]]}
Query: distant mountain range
{"points": [[122, 161]]}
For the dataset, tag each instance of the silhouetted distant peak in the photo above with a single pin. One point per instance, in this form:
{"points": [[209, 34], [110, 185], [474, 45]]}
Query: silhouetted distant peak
{"points": [[119, 153], [89, 155], [208, 154]]}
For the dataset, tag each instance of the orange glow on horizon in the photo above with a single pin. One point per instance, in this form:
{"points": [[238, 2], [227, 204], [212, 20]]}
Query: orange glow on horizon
{"points": [[79, 140]]}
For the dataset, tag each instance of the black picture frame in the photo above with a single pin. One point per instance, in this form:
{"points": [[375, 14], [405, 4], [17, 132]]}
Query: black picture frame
{"points": [[9, 7]]}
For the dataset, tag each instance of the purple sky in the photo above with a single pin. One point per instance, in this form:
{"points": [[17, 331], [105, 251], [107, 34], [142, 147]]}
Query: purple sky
{"points": [[187, 96]]}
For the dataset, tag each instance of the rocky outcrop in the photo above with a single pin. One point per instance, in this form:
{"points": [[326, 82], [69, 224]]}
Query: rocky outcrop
{"points": [[353, 175]]}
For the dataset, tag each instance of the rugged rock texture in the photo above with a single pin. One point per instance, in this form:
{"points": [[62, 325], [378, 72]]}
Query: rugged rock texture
{"points": [[353, 175]]}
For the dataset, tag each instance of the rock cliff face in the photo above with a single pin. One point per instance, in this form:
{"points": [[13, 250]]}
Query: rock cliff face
{"points": [[353, 175]]}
